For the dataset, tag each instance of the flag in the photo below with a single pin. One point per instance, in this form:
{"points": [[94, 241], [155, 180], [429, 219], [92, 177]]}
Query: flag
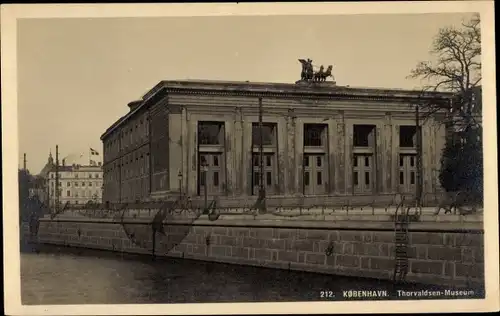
{"points": [[93, 152]]}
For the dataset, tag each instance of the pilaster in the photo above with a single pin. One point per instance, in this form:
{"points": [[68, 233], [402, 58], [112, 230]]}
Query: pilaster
{"points": [[192, 176], [440, 135], [246, 170], [175, 150], [237, 140], [348, 158], [434, 162], [299, 156], [186, 151], [282, 175], [229, 148], [290, 162], [379, 163], [395, 157], [387, 156], [332, 137], [427, 144], [340, 172]]}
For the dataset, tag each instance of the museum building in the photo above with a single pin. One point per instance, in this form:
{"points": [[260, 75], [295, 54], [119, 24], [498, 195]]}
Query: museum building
{"points": [[318, 139]]}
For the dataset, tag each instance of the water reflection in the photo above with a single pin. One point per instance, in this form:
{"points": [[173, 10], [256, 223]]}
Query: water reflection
{"points": [[69, 276]]}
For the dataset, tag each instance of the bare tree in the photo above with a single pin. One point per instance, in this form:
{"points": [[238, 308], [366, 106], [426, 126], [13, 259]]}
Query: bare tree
{"points": [[456, 68]]}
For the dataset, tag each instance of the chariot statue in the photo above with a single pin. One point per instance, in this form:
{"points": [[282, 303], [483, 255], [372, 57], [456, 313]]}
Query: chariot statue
{"points": [[308, 73]]}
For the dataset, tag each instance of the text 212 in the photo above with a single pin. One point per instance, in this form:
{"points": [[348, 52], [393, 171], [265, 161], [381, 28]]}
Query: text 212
{"points": [[326, 294]]}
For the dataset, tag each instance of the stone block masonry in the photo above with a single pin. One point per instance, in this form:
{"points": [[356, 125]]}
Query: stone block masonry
{"points": [[438, 253]]}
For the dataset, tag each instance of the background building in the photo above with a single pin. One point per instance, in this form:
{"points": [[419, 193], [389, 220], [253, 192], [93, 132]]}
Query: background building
{"points": [[41, 183], [77, 184], [318, 140], [37, 188]]}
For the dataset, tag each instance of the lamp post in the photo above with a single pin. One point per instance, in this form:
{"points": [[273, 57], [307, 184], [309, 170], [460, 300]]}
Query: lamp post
{"points": [[57, 181], [205, 191], [179, 176], [262, 188]]}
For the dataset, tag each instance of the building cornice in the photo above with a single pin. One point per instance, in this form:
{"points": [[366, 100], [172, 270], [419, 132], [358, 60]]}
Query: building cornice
{"points": [[318, 95], [277, 90]]}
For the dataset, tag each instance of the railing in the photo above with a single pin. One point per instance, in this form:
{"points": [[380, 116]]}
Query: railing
{"points": [[455, 202], [59, 211], [290, 206]]}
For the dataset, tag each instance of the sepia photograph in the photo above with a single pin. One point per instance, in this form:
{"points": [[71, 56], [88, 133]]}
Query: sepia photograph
{"points": [[299, 156]]}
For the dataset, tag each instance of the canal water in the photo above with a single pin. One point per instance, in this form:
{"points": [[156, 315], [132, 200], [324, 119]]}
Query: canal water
{"points": [[58, 275]]}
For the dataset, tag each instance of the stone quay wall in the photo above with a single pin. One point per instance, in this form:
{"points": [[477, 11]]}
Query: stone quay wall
{"points": [[443, 250]]}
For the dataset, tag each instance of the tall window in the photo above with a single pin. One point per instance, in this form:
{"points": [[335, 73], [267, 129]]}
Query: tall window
{"points": [[210, 133], [363, 163], [211, 161], [314, 174], [210, 173], [268, 134], [407, 136], [363, 170], [315, 162], [364, 135], [269, 170], [407, 172], [269, 161], [314, 135]]}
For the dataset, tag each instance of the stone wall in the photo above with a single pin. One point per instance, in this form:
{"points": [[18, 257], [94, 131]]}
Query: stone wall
{"points": [[440, 252]]}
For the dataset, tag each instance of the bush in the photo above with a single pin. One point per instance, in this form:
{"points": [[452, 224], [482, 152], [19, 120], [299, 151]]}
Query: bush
{"points": [[24, 186], [462, 165]]}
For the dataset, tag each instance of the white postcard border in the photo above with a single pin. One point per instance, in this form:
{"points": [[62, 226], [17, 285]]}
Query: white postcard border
{"points": [[9, 16]]}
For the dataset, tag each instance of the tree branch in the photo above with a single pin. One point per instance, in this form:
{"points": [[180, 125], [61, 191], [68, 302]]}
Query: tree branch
{"points": [[457, 69]]}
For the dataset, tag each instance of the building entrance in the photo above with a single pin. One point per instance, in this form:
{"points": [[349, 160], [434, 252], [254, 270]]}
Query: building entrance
{"points": [[363, 173], [269, 172], [314, 174], [211, 175], [407, 173]]}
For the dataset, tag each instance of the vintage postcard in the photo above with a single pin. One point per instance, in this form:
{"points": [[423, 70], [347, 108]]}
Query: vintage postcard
{"points": [[249, 158]]}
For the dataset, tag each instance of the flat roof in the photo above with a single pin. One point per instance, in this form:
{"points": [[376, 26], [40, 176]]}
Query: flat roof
{"points": [[298, 89], [324, 88], [75, 168]]}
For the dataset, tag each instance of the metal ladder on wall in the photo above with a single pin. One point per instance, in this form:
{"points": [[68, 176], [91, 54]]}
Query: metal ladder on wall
{"points": [[401, 223]]}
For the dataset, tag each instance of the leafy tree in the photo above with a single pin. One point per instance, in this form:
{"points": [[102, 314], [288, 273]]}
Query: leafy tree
{"points": [[462, 166], [456, 68], [25, 182]]}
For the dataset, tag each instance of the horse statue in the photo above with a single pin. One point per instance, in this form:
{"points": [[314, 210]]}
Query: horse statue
{"points": [[308, 73], [307, 70], [321, 75]]}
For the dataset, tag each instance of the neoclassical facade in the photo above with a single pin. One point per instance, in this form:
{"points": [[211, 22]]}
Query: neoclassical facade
{"points": [[317, 139]]}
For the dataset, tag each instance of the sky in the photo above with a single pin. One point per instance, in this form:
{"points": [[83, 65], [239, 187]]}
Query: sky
{"points": [[76, 76]]}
